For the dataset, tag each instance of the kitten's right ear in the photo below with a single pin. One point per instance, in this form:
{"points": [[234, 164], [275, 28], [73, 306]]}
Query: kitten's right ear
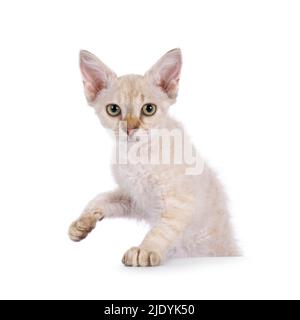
{"points": [[96, 75], [166, 73]]}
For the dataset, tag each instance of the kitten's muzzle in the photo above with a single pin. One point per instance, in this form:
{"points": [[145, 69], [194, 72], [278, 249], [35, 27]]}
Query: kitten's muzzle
{"points": [[130, 131], [133, 123]]}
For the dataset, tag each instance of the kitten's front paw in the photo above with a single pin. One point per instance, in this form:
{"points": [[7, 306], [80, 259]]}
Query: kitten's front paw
{"points": [[80, 228], [139, 257]]}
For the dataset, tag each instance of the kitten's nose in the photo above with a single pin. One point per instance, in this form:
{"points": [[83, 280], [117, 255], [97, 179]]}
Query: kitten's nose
{"points": [[132, 123], [130, 131]]}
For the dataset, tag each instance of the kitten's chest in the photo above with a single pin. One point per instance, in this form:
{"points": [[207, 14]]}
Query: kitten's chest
{"points": [[141, 183]]}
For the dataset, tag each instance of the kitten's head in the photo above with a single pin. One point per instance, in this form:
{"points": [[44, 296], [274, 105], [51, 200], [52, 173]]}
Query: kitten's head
{"points": [[141, 101]]}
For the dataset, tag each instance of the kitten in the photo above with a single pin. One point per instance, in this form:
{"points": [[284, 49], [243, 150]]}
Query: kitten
{"points": [[187, 212]]}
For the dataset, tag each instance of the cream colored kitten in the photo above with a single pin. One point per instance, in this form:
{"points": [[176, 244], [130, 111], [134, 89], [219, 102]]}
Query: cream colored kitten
{"points": [[187, 212]]}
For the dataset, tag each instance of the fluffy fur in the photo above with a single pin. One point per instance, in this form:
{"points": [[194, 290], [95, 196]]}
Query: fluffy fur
{"points": [[187, 213]]}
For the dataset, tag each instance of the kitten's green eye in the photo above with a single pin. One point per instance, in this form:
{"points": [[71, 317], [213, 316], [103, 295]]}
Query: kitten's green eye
{"points": [[149, 109], [113, 110]]}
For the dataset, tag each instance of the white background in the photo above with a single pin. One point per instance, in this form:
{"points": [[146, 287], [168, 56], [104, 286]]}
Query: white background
{"points": [[239, 100]]}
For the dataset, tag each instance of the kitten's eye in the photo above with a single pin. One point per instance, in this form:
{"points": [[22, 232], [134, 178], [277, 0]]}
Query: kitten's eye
{"points": [[149, 109], [113, 110]]}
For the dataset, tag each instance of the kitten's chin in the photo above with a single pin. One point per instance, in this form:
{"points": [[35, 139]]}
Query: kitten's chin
{"points": [[133, 138], [123, 136]]}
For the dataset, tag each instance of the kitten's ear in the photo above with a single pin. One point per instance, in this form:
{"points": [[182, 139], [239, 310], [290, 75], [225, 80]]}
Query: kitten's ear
{"points": [[95, 74], [166, 72]]}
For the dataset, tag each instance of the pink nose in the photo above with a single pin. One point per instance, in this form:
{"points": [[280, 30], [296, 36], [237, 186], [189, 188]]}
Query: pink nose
{"points": [[130, 131]]}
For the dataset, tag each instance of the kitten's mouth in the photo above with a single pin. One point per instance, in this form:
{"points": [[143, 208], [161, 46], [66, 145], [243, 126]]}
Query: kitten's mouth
{"points": [[131, 135], [131, 131]]}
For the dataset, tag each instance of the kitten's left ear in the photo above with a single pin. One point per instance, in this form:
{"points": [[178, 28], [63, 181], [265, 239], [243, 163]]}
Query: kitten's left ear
{"points": [[166, 72], [96, 75]]}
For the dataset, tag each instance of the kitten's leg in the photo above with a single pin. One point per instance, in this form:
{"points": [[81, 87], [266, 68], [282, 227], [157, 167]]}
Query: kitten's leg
{"points": [[154, 247], [110, 204]]}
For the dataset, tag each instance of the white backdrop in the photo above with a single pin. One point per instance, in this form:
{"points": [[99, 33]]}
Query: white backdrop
{"points": [[239, 100]]}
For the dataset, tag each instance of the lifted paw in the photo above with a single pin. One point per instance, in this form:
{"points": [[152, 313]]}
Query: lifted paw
{"points": [[80, 228]]}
